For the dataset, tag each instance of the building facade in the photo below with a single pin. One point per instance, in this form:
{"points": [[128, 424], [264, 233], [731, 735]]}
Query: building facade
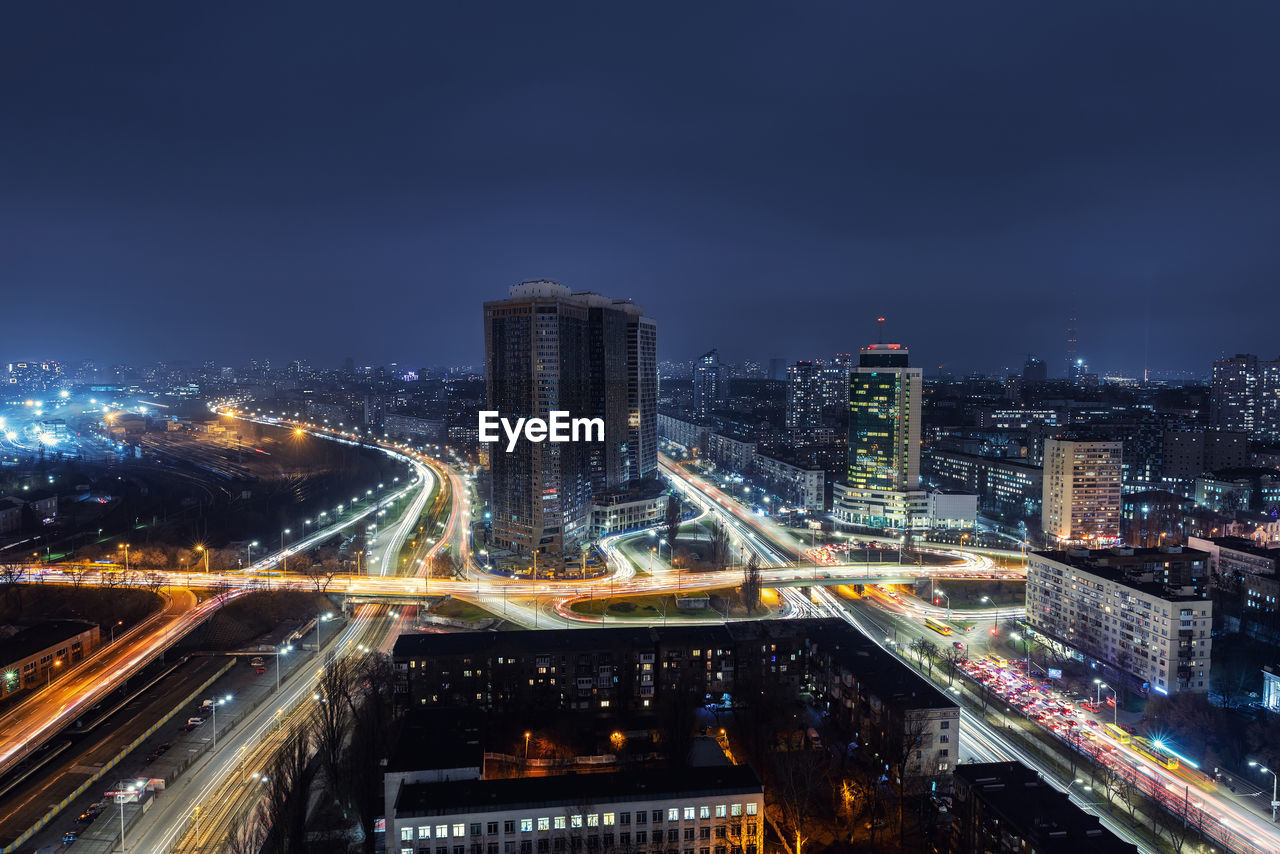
{"points": [[41, 653], [707, 810], [710, 383], [1081, 498], [1245, 396], [1157, 636], [881, 488], [549, 348], [805, 397]]}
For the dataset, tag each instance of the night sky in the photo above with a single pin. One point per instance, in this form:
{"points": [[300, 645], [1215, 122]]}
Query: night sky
{"points": [[317, 180]]}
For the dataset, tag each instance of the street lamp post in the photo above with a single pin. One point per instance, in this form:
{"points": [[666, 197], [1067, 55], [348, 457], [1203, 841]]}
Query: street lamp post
{"points": [[280, 652], [1275, 784], [216, 703], [205, 552], [125, 546], [943, 593], [113, 629], [248, 553], [284, 557], [320, 619]]}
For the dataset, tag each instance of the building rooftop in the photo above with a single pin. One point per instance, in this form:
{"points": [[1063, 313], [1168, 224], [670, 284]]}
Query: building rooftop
{"points": [[1244, 544], [1037, 811], [572, 790], [877, 670], [33, 639], [438, 739], [1120, 565]]}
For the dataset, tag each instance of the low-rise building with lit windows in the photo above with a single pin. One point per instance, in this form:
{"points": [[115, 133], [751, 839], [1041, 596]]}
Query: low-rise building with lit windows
{"points": [[697, 810]]}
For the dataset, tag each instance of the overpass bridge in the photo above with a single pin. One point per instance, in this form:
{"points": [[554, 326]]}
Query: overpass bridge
{"points": [[835, 579]]}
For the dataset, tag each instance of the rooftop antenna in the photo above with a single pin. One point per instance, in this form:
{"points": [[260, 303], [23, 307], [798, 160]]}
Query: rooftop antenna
{"points": [[880, 330]]}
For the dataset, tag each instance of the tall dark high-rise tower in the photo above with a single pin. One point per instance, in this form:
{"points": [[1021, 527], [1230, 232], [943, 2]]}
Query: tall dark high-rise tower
{"points": [[549, 348]]}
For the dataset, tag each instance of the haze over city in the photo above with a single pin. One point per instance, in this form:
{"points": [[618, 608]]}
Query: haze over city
{"points": [[185, 182]]}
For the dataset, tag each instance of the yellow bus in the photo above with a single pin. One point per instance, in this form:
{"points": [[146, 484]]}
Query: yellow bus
{"points": [[1155, 752], [1120, 734], [997, 660], [939, 627]]}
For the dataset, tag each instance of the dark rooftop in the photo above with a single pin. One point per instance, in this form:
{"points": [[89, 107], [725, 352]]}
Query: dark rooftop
{"points": [[447, 798], [437, 739], [1042, 815], [1120, 566], [39, 637]]}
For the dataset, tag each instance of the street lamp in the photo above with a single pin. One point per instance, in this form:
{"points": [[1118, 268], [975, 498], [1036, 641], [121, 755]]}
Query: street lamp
{"points": [[113, 629], [942, 593], [526, 749], [204, 552], [321, 619], [995, 619], [216, 703], [248, 553], [280, 652], [125, 546], [1115, 708], [284, 556], [1026, 648], [121, 797], [1275, 782]]}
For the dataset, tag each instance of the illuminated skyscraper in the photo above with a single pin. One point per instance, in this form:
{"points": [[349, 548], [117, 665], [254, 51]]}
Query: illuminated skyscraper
{"points": [[550, 348], [882, 484]]}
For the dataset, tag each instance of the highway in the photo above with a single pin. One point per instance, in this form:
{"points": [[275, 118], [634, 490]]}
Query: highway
{"points": [[211, 801], [1235, 823]]}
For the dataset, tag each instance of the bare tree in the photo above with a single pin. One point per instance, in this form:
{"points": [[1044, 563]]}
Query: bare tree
{"points": [[11, 575], [320, 575], [751, 585], [672, 520], [153, 581], [719, 546], [288, 791], [800, 778], [247, 838]]}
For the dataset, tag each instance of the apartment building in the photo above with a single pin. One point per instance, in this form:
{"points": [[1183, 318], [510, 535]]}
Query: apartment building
{"points": [[1155, 635], [1081, 499], [635, 670]]}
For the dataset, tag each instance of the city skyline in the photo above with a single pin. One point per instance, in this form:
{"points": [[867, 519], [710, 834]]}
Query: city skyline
{"points": [[280, 188]]}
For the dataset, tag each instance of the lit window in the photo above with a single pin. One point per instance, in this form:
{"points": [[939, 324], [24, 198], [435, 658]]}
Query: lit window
{"points": [[735, 810], [608, 819], [442, 831], [673, 814], [751, 809], [424, 831], [526, 825], [688, 813], [593, 820], [704, 812], [721, 810], [459, 830], [575, 821], [559, 822], [406, 834], [544, 823]]}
